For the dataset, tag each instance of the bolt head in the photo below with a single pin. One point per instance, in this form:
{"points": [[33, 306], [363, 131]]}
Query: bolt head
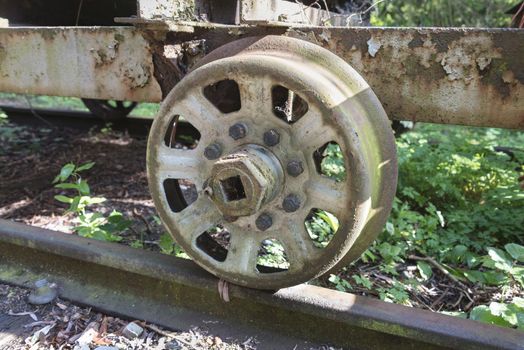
{"points": [[271, 137], [213, 151], [295, 168], [237, 131], [264, 221], [291, 203]]}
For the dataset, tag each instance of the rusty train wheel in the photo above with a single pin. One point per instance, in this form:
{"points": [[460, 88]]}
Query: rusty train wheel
{"points": [[268, 111]]}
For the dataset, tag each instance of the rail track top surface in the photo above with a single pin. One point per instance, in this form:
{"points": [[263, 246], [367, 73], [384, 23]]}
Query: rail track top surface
{"points": [[177, 294]]}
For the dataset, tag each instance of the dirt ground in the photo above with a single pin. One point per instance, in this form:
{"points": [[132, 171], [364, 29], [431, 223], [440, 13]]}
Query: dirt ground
{"points": [[30, 159], [62, 325]]}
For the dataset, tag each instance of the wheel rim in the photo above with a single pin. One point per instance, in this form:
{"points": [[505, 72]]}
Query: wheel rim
{"points": [[281, 208]]}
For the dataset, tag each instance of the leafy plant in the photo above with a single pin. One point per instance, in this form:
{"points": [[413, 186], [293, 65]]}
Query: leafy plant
{"points": [[272, 254], [89, 224], [443, 13], [458, 216], [321, 227], [168, 246], [501, 314]]}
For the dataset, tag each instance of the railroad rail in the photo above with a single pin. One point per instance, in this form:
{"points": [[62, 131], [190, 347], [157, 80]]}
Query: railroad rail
{"points": [[47, 117], [177, 294]]}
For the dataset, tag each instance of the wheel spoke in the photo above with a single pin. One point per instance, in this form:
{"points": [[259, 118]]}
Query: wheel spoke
{"points": [[197, 110], [242, 254], [311, 132], [327, 194], [198, 217], [255, 95], [298, 245], [179, 164]]}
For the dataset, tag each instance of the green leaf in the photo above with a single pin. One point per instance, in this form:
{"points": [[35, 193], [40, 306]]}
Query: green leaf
{"points": [[483, 313], [85, 166], [458, 253], [67, 186], [83, 188], [74, 204], [499, 258], [64, 199], [330, 219], [86, 200], [363, 281], [503, 310], [390, 228], [425, 270], [65, 172], [518, 274], [166, 243], [516, 251], [475, 276], [494, 278]]}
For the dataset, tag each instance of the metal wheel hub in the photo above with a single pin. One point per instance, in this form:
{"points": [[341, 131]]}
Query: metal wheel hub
{"points": [[243, 181]]}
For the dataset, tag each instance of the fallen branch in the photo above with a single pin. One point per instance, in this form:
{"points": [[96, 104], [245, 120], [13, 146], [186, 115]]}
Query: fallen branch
{"points": [[440, 268]]}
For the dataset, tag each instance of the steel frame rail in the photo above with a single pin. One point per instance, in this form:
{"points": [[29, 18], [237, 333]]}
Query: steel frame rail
{"points": [[459, 76], [175, 293]]}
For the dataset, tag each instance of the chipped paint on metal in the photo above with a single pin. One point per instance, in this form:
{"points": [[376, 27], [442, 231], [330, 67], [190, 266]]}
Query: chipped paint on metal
{"points": [[105, 54], [373, 47], [91, 62], [451, 76], [468, 57]]}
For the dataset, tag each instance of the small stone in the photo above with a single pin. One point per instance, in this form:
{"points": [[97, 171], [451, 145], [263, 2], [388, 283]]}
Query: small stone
{"points": [[105, 347], [132, 331], [218, 341], [174, 345], [44, 293], [81, 347], [87, 337]]}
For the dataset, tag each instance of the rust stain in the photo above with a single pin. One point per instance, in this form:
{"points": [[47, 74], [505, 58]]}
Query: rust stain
{"points": [[137, 76], [467, 57], [105, 54]]}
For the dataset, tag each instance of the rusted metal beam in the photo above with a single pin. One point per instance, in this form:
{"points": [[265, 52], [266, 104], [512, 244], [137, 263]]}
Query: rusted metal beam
{"points": [[93, 62], [176, 293], [438, 75]]}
